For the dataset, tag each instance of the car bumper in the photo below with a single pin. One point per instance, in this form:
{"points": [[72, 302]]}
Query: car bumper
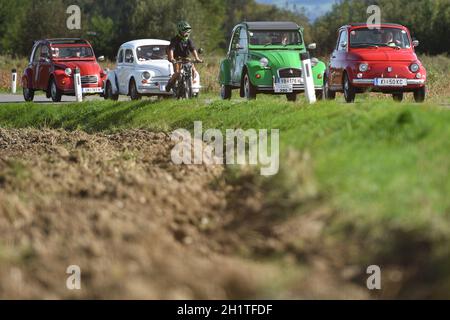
{"points": [[371, 82], [296, 88]]}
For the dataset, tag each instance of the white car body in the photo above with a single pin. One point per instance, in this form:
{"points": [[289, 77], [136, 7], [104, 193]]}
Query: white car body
{"points": [[133, 68]]}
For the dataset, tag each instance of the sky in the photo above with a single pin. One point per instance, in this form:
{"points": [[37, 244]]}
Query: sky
{"points": [[314, 8]]}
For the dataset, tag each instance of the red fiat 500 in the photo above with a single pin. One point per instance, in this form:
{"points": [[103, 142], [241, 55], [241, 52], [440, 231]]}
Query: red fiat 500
{"points": [[381, 60], [51, 68]]}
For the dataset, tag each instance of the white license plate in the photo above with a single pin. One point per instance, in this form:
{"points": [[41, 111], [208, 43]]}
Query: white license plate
{"points": [[290, 81], [92, 90], [162, 87], [390, 82], [283, 88]]}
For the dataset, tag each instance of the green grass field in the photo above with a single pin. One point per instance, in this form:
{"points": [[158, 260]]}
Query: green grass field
{"points": [[380, 168]]}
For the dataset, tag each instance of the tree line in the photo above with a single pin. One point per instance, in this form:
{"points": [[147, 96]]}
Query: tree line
{"points": [[109, 23]]}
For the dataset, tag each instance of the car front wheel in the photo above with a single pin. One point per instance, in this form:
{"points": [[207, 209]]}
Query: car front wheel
{"points": [[398, 97], [55, 93], [349, 91], [249, 89], [328, 94], [28, 94], [420, 94], [134, 94], [225, 92]]}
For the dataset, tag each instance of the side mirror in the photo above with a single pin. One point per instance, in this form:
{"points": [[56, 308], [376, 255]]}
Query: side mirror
{"points": [[312, 46], [201, 51], [415, 43], [101, 58]]}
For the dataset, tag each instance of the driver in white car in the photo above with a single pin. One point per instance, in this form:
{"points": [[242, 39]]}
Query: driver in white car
{"points": [[181, 47]]}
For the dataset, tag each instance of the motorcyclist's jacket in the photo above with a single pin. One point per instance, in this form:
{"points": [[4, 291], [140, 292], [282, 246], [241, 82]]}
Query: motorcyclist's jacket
{"points": [[181, 48]]}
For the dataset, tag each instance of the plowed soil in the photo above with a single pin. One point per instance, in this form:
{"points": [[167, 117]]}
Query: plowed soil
{"points": [[140, 227]]}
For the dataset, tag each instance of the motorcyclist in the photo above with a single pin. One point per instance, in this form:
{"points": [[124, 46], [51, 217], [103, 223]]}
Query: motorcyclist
{"points": [[181, 47]]}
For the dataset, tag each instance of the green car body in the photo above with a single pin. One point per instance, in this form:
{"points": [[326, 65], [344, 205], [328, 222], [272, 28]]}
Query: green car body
{"points": [[254, 67]]}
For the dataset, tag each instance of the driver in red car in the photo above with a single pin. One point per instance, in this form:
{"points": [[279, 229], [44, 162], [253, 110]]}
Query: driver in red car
{"points": [[181, 47]]}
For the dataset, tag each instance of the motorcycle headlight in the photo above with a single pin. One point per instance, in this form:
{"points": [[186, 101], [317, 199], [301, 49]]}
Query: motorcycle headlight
{"points": [[363, 67], [314, 62], [68, 72], [414, 67], [146, 75], [264, 62]]}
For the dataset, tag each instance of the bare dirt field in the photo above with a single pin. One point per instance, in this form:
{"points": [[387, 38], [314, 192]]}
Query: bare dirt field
{"points": [[140, 227]]}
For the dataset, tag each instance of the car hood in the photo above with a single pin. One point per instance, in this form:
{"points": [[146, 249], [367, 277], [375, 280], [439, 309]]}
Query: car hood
{"points": [[281, 58], [86, 67], [159, 67], [382, 54]]}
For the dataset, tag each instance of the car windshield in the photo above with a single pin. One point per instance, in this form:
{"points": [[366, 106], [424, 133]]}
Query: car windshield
{"points": [[155, 52], [384, 37], [72, 52], [283, 38]]}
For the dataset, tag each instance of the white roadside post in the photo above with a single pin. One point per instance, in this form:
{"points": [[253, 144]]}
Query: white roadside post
{"points": [[77, 84], [13, 81], [308, 80]]}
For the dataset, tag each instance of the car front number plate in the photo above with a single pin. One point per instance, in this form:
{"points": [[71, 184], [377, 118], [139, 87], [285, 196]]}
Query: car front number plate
{"points": [[391, 82], [92, 90], [283, 88], [162, 87], [290, 80]]}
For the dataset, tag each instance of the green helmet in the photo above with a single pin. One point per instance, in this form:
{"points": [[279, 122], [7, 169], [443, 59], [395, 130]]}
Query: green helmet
{"points": [[184, 29]]}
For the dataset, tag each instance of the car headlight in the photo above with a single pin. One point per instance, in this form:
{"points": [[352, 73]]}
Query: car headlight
{"points": [[363, 67], [414, 67], [264, 62], [314, 62], [146, 75], [68, 72]]}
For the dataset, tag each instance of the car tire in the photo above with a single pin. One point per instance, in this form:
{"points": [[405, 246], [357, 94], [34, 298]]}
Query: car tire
{"points": [[420, 94], [55, 93], [328, 94], [134, 94], [349, 90], [225, 92], [28, 94], [109, 93], [249, 88], [398, 97], [319, 95], [291, 97]]}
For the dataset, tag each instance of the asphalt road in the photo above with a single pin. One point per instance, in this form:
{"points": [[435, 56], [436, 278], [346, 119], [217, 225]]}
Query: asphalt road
{"points": [[18, 98]]}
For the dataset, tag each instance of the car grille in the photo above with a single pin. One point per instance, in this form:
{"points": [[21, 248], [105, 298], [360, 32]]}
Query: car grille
{"points": [[290, 73], [89, 80]]}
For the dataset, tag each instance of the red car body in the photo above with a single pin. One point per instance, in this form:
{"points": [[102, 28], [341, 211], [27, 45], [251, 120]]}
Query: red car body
{"points": [[52, 65], [381, 60]]}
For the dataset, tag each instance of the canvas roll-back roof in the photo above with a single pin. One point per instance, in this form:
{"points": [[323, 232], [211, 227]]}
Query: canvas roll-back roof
{"points": [[272, 25]]}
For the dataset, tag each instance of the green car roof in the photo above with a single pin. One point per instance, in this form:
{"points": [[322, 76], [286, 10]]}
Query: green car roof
{"points": [[271, 25]]}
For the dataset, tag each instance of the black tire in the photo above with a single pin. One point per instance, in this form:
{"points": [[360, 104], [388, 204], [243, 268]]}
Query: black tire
{"points": [[328, 94], [28, 94], [319, 95], [134, 94], [349, 91], [398, 97], [225, 92], [291, 97], [109, 94], [420, 94], [249, 89], [55, 93]]}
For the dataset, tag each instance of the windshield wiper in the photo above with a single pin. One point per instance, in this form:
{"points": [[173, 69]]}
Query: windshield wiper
{"points": [[365, 45]]}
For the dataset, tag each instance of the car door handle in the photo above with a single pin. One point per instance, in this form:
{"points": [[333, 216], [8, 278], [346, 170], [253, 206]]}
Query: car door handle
{"points": [[333, 57]]}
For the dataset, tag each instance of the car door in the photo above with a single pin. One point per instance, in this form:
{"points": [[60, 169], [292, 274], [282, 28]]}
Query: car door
{"points": [[44, 67], [119, 70], [339, 59], [34, 65], [241, 54], [127, 68], [232, 55]]}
